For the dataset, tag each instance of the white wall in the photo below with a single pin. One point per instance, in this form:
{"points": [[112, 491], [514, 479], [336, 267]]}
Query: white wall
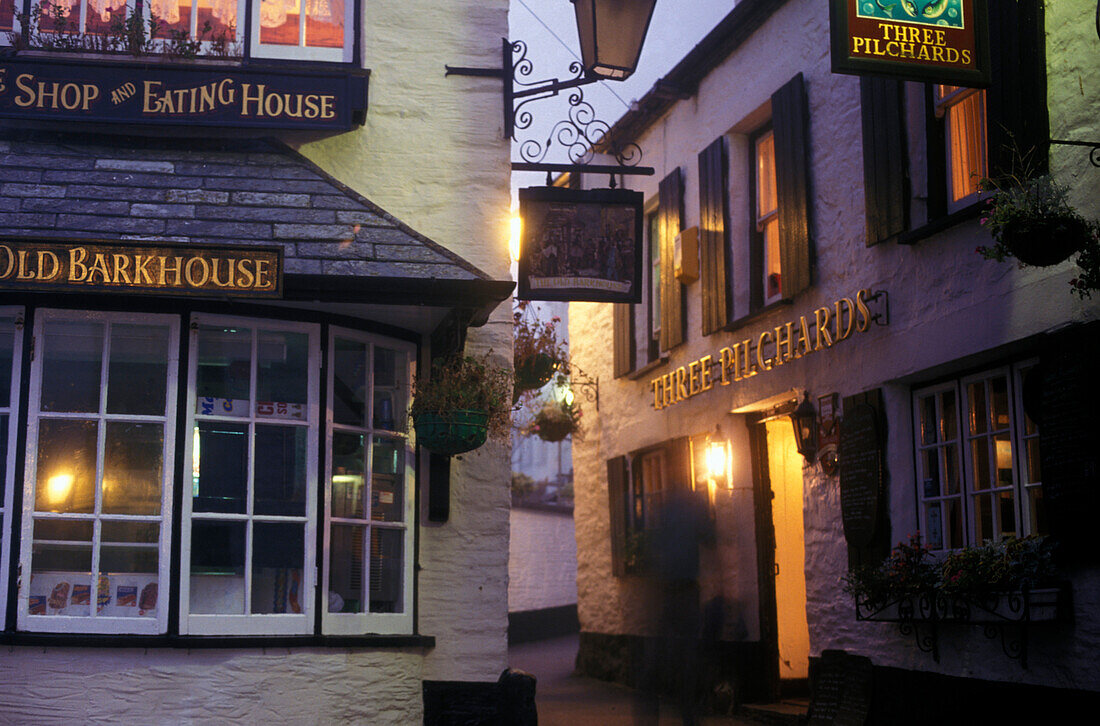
{"points": [[542, 560], [946, 303]]}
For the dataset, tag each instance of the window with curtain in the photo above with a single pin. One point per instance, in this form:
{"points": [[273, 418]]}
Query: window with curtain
{"points": [[963, 110]]}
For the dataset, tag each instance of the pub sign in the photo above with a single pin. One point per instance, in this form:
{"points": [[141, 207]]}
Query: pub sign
{"points": [[940, 41], [580, 244]]}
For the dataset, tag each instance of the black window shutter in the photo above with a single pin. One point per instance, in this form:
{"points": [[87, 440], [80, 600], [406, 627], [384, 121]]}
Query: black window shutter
{"points": [[623, 323], [789, 121], [678, 461], [878, 548], [617, 504], [673, 299], [1016, 104], [885, 178], [1068, 434], [713, 247]]}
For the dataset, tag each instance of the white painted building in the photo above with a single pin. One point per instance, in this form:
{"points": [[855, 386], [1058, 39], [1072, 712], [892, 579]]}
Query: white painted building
{"points": [[819, 196], [213, 508]]}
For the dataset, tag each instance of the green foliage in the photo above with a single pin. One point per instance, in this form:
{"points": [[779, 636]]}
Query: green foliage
{"points": [[531, 337], [522, 484], [909, 570], [467, 384], [554, 417]]}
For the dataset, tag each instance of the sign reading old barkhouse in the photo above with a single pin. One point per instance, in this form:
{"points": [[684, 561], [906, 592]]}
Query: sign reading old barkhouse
{"points": [[194, 95], [103, 266], [942, 41]]}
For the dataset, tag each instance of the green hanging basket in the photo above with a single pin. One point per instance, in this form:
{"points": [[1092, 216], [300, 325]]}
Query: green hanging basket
{"points": [[1045, 241], [451, 432], [534, 371]]}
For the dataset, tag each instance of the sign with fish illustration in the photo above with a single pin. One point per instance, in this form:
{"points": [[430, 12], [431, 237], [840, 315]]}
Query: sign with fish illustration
{"points": [[942, 41]]}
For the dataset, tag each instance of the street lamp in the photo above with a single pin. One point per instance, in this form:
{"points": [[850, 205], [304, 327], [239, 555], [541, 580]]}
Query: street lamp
{"points": [[611, 34], [804, 420]]}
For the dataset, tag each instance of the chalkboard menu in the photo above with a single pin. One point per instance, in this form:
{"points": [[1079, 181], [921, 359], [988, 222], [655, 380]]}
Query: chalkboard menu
{"points": [[860, 458], [840, 690]]}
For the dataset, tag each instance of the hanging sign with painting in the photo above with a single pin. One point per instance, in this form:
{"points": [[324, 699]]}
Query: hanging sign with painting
{"points": [[941, 41], [580, 244]]}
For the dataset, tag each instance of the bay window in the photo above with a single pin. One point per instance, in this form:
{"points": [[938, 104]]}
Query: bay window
{"points": [[11, 324]]}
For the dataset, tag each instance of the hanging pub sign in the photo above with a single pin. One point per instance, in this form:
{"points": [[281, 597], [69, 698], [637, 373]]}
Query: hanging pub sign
{"points": [[941, 41], [580, 244], [49, 89], [137, 267]]}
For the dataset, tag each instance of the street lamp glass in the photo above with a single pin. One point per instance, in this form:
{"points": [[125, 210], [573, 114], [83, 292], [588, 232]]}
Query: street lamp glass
{"points": [[611, 34]]}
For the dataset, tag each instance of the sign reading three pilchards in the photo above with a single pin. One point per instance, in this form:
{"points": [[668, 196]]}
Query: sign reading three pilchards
{"points": [[581, 244], [941, 41]]}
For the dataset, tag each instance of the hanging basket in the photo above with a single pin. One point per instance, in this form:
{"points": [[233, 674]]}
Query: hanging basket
{"points": [[451, 432], [534, 372], [1045, 241], [554, 430]]}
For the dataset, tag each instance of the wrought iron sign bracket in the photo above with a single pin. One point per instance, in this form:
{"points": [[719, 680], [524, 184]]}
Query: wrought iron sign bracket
{"points": [[1094, 154], [580, 133], [588, 385]]}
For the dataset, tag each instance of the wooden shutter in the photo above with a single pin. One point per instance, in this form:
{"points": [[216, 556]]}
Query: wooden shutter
{"points": [[617, 478], [1069, 429], [678, 463], [885, 177], [878, 548], [713, 245], [1016, 103], [789, 121], [671, 211], [623, 324]]}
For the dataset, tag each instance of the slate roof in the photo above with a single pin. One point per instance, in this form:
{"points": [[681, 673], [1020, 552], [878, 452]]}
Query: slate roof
{"points": [[237, 191]]}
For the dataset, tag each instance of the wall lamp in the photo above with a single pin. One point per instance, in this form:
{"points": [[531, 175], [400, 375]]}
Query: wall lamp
{"points": [[611, 34], [804, 420]]}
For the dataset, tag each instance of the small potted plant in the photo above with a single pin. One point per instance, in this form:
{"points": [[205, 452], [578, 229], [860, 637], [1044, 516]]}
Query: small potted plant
{"points": [[463, 402], [556, 420], [536, 351], [1031, 220]]}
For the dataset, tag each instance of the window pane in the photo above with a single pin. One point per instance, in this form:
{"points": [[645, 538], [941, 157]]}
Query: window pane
{"points": [[3, 456], [766, 197], [217, 567], [7, 351], [279, 21], [349, 383], [345, 587], [1006, 514], [954, 521], [929, 423], [325, 23], [391, 387], [224, 371], [983, 518], [951, 469], [71, 366], [1031, 452], [385, 570], [137, 376], [61, 568], [1003, 449], [773, 279], [950, 414], [978, 412], [174, 17], [278, 553], [7, 14], [220, 468], [930, 460], [280, 470], [347, 475], [998, 399], [133, 468], [387, 480], [966, 131], [66, 466], [980, 471], [283, 372], [933, 526]]}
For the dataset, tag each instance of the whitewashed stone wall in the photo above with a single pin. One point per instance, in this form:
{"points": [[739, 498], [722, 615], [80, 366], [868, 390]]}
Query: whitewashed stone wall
{"points": [[946, 303], [542, 560]]}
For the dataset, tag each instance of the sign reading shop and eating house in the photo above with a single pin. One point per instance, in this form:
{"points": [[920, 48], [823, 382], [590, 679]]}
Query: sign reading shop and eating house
{"points": [[941, 41], [106, 266]]}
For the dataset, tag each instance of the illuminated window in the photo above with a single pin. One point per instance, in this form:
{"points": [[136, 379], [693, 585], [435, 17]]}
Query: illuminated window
{"points": [[312, 29], [766, 211], [10, 358], [967, 163], [977, 461]]}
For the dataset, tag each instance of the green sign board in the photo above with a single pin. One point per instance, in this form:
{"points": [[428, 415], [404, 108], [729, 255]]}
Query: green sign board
{"points": [[940, 41]]}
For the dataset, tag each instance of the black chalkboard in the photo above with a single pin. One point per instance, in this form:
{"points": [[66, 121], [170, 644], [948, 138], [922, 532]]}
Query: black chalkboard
{"points": [[860, 458], [840, 690]]}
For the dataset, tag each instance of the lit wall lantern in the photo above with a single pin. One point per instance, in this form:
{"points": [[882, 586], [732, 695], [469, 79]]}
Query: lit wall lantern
{"points": [[611, 34], [719, 464], [804, 419]]}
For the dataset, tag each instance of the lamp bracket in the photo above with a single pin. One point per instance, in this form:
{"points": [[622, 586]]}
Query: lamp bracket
{"points": [[882, 317], [588, 385], [580, 133], [1094, 154]]}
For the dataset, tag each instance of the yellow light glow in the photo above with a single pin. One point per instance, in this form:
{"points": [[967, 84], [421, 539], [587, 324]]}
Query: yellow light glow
{"points": [[514, 236], [347, 479], [1004, 454], [59, 487], [718, 463]]}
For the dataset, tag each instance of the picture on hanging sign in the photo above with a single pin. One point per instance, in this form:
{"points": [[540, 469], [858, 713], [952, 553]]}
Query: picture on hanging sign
{"points": [[940, 41], [580, 244]]}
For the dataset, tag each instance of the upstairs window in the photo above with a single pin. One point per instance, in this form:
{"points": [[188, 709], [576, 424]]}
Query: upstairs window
{"points": [[206, 21], [766, 218], [302, 29], [963, 111]]}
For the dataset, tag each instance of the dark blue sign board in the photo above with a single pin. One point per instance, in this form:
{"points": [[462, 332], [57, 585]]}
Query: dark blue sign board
{"points": [[192, 94]]}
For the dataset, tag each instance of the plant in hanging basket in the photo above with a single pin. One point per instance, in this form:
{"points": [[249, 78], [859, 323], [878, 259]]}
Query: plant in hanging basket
{"points": [[464, 401], [536, 350], [556, 420], [1032, 221]]}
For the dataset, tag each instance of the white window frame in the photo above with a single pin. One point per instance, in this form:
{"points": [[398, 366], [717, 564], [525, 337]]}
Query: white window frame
{"points": [[12, 412], [368, 622], [301, 51], [238, 31], [946, 105], [93, 623], [964, 443], [254, 623]]}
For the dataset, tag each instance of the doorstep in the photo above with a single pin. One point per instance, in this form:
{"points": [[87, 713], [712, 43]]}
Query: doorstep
{"points": [[789, 711]]}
